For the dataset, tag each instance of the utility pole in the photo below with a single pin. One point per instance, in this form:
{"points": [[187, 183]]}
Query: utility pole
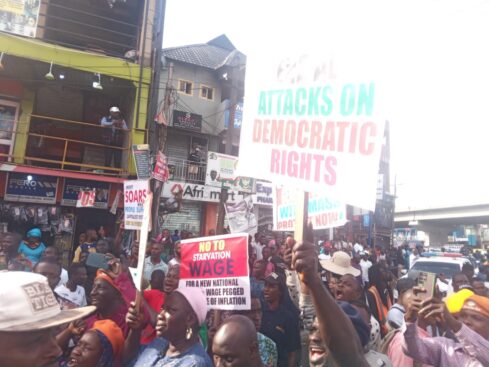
{"points": [[161, 132], [233, 102]]}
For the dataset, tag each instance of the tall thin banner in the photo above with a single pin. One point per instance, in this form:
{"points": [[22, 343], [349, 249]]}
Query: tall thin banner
{"points": [[218, 265], [306, 128], [323, 212], [135, 194]]}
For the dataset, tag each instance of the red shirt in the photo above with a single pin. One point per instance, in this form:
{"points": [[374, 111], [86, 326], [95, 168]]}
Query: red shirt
{"points": [[155, 299]]}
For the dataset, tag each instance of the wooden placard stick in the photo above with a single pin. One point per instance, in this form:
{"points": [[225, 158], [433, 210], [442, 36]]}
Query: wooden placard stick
{"points": [[303, 229]]}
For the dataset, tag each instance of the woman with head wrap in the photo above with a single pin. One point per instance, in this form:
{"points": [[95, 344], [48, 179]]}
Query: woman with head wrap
{"points": [[98, 347], [112, 292], [177, 328], [32, 248]]}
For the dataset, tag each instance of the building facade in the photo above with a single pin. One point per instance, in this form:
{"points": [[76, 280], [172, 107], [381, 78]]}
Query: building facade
{"points": [[199, 95], [63, 65]]}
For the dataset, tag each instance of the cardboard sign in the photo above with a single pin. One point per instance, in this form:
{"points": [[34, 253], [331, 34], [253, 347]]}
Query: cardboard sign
{"points": [[142, 160], [135, 194], [309, 130], [143, 242], [219, 266], [323, 212], [86, 199]]}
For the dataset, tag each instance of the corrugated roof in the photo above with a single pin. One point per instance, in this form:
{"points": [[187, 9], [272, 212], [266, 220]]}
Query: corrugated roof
{"points": [[207, 55]]}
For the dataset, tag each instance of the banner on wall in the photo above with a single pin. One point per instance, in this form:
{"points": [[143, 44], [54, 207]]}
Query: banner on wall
{"points": [[73, 187], [323, 212], [307, 128], [218, 265], [19, 17], [241, 218]]}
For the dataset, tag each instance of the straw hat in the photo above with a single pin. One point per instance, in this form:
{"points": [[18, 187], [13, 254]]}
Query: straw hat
{"points": [[340, 263]]}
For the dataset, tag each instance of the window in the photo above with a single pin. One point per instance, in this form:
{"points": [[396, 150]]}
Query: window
{"points": [[186, 87], [207, 93]]}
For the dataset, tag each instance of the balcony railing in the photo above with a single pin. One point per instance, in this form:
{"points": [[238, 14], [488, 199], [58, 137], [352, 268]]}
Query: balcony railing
{"points": [[184, 170], [71, 145]]}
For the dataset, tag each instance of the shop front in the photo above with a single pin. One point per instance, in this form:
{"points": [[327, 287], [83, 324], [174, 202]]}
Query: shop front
{"points": [[49, 202]]}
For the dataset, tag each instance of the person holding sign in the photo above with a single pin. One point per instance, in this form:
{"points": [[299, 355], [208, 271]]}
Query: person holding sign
{"points": [[177, 328]]}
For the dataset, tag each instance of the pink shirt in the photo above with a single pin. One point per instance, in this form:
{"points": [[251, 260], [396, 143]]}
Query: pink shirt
{"points": [[396, 354]]}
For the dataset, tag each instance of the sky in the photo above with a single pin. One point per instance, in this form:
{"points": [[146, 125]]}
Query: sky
{"points": [[430, 57]]}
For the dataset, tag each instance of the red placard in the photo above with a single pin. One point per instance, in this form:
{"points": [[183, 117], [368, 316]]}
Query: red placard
{"points": [[86, 199], [219, 266]]}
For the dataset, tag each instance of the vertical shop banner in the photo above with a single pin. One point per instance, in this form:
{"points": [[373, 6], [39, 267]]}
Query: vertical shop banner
{"points": [[26, 188], [219, 266], [86, 199], [135, 194], [19, 16], [221, 172], [311, 130], [160, 171], [323, 212], [241, 218], [73, 187]]}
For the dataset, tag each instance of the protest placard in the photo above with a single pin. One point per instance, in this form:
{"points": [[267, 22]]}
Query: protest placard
{"points": [[241, 218], [219, 266], [323, 212], [143, 241], [135, 194], [305, 129]]}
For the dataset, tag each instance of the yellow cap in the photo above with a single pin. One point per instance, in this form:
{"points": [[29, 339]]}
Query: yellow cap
{"points": [[456, 301]]}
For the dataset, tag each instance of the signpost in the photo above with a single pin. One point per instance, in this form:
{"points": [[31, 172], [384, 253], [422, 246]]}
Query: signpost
{"points": [[141, 156], [219, 265]]}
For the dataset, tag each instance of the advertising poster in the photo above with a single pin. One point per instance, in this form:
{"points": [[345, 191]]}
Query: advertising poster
{"points": [[323, 212], [221, 172], [241, 218], [135, 194], [73, 187], [306, 128], [218, 265], [19, 16]]}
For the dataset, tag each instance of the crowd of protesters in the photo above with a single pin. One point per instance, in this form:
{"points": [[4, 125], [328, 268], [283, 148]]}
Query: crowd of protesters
{"points": [[335, 303]]}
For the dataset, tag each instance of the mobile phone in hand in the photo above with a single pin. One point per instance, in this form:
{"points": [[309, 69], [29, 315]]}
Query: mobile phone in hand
{"points": [[428, 282], [96, 260]]}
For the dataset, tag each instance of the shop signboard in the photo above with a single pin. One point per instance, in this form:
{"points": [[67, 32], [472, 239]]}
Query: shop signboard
{"points": [[27, 188], [218, 265], [73, 187], [238, 116], [135, 194], [221, 172], [306, 128], [323, 211], [194, 192], [264, 193], [19, 16], [140, 153], [187, 120]]}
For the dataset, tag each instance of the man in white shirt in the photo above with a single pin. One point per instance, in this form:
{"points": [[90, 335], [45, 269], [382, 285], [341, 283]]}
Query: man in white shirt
{"points": [[114, 136], [72, 295], [154, 262], [53, 253], [357, 247], [365, 264]]}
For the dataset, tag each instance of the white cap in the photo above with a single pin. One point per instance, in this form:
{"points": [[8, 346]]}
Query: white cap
{"points": [[27, 303], [114, 109]]}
